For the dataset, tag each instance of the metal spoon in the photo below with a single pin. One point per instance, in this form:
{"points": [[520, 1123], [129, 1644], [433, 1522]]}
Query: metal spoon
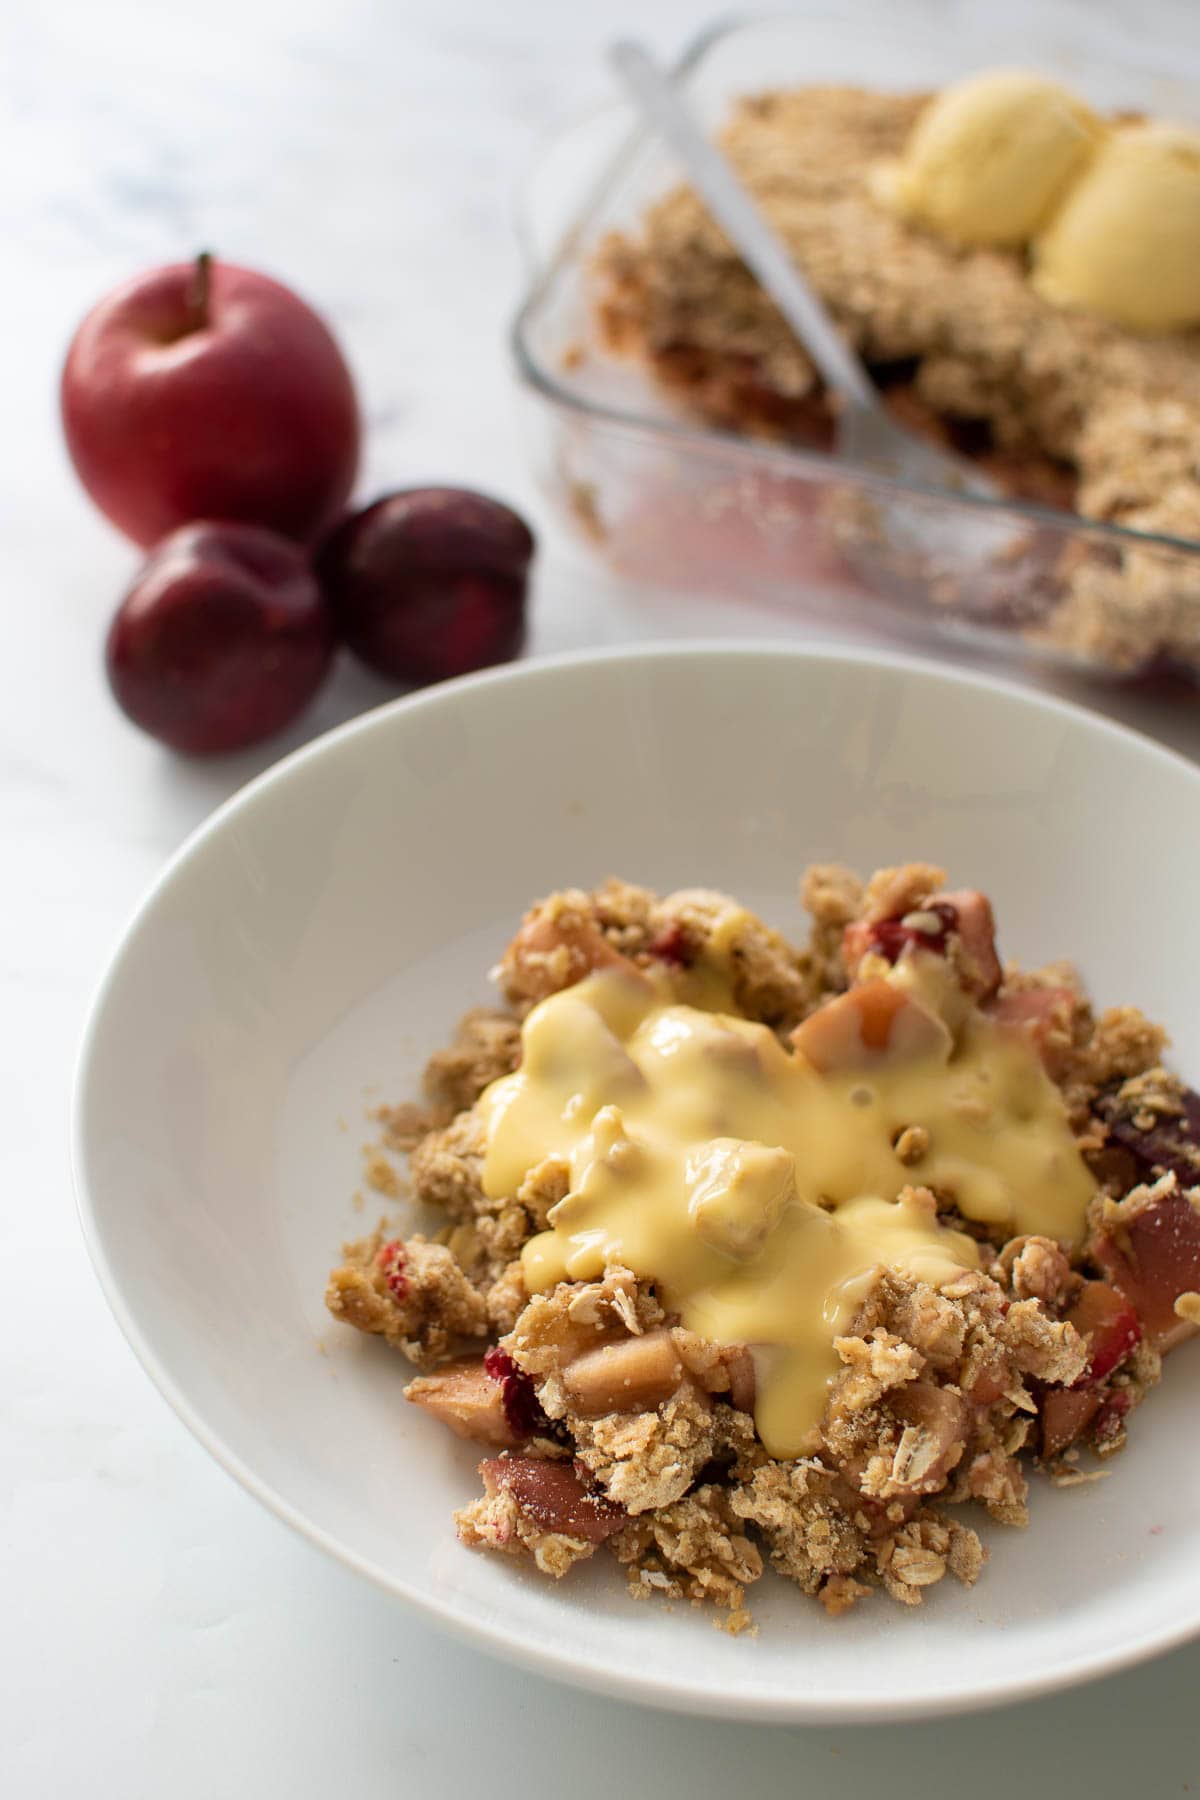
{"points": [[866, 431]]}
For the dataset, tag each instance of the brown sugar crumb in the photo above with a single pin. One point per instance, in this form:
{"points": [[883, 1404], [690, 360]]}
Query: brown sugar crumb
{"points": [[874, 1365], [648, 1460], [695, 1547], [1125, 1043], [506, 1298], [583, 499], [770, 981], [403, 1126], [410, 1292], [1148, 1098], [923, 1552], [1187, 1307], [809, 1534], [909, 1562], [636, 1398], [833, 896], [840, 1593], [1062, 1475], [912, 1144], [891, 893], [487, 1044], [569, 934], [1036, 1268], [1048, 1349], [379, 1174], [446, 1168], [497, 1522]]}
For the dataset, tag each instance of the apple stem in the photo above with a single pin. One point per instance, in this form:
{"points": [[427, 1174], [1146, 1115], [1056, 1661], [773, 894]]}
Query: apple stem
{"points": [[199, 291]]}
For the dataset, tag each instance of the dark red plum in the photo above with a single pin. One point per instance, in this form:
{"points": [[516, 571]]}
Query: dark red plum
{"points": [[222, 639], [429, 583]]}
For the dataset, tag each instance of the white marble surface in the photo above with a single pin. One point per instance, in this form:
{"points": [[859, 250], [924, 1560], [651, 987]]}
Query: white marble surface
{"points": [[159, 1632]]}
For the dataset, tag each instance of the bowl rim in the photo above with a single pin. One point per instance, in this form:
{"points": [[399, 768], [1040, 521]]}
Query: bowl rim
{"points": [[574, 1668], [814, 465]]}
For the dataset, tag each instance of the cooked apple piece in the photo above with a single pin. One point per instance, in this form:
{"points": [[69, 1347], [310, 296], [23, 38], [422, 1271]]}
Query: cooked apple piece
{"points": [[1108, 1324], [742, 1379], [1043, 1015], [1149, 1247], [936, 1421], [1066, 1413], [1111, 1329], [553, 1496], [632, 1375], [976, 928], [467, 1399], [1108, 1428], [965, 914], [872, 1020], [726, 1371]]}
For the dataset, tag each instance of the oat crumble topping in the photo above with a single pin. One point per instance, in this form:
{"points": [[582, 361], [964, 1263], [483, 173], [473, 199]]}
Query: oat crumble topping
{"points": [[605, 1422]]}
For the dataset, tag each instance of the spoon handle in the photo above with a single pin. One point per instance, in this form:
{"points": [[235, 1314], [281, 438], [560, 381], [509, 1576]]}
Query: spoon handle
{"points": [[756, 242]]}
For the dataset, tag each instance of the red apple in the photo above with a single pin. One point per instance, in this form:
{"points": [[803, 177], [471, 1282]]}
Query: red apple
{"points": [[429, 583], [222, 639], [204, 391]]}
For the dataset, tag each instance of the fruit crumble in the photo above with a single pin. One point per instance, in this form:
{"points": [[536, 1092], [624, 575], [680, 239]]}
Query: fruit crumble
{"points": [[763, 1255], [980, 322]]}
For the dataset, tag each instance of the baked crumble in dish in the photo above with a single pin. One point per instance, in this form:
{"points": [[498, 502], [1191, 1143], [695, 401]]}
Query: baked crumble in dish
{"points": [[763, 1255], [992, 348]]}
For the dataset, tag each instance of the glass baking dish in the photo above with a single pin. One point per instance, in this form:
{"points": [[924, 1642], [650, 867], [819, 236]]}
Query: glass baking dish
{"points": [[683, 509]]}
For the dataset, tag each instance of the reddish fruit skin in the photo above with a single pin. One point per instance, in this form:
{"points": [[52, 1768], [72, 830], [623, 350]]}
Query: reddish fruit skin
{"points": [[671, 946], [889, 938], [558, 1496], [392, 1263], [1065, 1415], [1153, 1258], [1171, 1146], [250, 416], [429, 583], [1110, 1327], [222, 639], [522, 1408], [965, 913]]}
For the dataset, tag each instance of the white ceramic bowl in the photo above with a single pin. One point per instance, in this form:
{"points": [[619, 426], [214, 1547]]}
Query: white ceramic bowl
{"points": [[326, 928]]}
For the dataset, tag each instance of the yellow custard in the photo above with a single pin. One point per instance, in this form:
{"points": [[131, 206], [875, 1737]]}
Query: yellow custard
{"points": [[760, 1194]]}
